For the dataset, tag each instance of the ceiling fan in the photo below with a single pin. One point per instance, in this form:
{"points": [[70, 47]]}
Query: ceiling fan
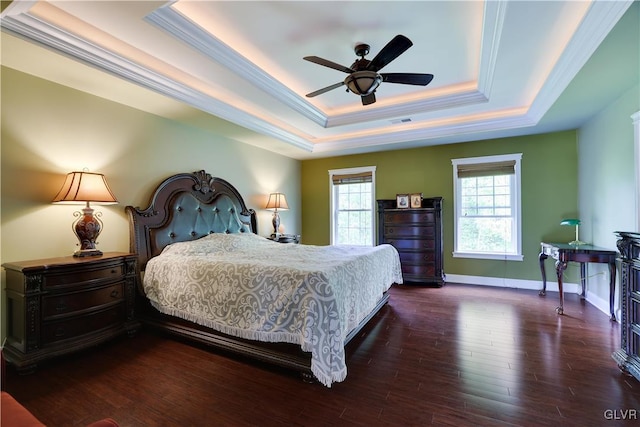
{"points": [[363, 78]]}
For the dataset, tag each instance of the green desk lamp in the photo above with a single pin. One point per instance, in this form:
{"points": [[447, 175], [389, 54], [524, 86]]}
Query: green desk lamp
{"points": [[576, 222]]}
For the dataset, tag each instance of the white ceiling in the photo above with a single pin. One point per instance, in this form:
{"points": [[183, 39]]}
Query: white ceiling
{"points": [[499, 66]]}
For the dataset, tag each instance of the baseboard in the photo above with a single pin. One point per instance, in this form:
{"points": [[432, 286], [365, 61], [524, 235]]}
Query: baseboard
{"points": [[535, 285]]}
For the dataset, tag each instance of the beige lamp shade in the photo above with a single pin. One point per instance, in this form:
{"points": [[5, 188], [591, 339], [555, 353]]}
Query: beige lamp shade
{"points": [[85, 187], [277, 201]]}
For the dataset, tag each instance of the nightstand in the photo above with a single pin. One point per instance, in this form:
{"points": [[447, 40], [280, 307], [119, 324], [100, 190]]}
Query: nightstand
{"points": [[285, 238], [61, 305]]}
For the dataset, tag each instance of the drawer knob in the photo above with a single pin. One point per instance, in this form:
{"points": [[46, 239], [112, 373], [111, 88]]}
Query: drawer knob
{"points": [[61, 306], [114, 294], [59, 332]]}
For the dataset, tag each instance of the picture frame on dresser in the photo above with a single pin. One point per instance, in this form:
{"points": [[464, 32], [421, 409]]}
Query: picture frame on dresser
{"points": [[416, 200], [402, 201]]}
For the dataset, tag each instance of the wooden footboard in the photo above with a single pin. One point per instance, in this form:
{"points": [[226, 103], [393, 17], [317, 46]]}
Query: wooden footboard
{"points": [[285, 355]]}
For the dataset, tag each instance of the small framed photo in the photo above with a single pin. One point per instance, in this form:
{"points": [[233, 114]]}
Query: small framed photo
{"points": [[416, 200], [402, 201]]}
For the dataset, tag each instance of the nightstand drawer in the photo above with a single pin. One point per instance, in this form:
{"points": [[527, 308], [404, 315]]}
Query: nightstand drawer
{"points": [[87, 275], [58, 305], [75, 326]]}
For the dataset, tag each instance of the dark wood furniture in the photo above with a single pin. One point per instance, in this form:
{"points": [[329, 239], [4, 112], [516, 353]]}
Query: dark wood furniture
{"points": [[285, 238], [564, 253], [186, 207], [59, 305], [417, 235], [628, 356]]}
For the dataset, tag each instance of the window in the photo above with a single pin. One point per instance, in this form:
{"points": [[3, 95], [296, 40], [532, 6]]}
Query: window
{"points": [[352, 206], [487, 207]]}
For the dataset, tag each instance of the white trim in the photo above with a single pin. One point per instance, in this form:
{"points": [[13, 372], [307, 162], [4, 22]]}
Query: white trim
{"points": [[599, 20], [636, 136], [332, 211], [517, 206], [482, 255], [534, 285], [502, 282]]}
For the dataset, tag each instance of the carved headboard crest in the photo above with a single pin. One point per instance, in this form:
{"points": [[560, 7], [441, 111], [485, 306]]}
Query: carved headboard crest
{"points": [[205, 182]]}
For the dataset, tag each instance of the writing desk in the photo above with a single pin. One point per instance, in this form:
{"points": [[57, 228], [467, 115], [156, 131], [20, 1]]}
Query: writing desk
{"points": [[564, 253]]}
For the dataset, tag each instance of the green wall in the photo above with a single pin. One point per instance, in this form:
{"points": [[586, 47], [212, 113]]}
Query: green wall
{"points": [[549, 193]]}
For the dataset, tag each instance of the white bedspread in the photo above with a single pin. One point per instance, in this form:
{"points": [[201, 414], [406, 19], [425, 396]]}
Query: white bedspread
{"points": [[251, 287]]}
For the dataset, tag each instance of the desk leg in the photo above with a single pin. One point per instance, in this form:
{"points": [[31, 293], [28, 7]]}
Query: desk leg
{"points": [[560, 268], [541, 258], [612, 288], [583, 279]]}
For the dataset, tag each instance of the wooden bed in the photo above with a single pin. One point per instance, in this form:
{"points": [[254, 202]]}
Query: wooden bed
{"points": [[187, 207]]}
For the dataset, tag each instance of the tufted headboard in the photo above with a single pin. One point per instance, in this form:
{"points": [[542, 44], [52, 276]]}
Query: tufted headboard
{"points": [[185, 207]]}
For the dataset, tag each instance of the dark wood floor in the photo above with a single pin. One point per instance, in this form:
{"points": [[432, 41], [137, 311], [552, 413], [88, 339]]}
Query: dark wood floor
{"points": [[458, 355]]}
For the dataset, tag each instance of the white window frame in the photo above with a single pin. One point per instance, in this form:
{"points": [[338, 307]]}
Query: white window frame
{"points": [[516, 212], [333, 213]]}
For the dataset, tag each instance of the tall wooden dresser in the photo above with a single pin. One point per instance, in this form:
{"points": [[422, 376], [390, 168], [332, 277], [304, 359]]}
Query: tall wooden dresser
{"points": [[628, 356], [417, 235]]}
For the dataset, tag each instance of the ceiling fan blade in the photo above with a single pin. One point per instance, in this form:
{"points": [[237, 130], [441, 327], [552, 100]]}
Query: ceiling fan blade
{"points": [[327, 63], [368, 99], [407, 78], [391, 51], [324, 89]]}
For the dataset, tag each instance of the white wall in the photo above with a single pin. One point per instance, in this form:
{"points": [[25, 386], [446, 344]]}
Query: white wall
{"points": [[607, 185]]}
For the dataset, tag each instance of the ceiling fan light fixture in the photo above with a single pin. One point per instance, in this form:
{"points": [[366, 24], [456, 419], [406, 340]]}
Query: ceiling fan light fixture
{"points": [[363, 83]]}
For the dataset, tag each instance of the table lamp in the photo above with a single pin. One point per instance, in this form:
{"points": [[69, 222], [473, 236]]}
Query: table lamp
{"points": [[576, 223], [276, 201], [86, 187]]}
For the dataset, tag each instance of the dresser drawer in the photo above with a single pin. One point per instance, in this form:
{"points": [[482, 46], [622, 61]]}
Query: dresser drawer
{"points": [[85, 275], [58, 305], [417, 258], [418, 272], [391, 232], [71, 327], [409, 216], [412, 244]]}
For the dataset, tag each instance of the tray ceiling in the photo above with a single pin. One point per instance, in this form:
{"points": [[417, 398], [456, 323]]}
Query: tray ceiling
{"points": [[498, 65]]}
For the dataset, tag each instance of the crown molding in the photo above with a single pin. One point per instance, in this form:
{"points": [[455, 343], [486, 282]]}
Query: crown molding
{"points": [[408, 108], [26, 26], [492, 29], [601, 17], [424, 133], [181, 27]]}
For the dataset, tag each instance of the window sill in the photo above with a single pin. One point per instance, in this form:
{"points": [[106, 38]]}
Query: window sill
{"points": [[496, 256]]}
